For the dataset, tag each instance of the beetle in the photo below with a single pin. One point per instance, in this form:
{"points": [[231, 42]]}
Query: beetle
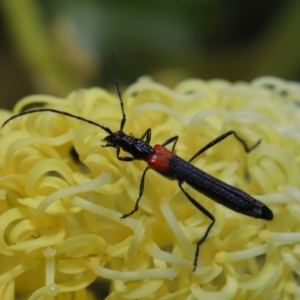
{"points": [[173, 167]]}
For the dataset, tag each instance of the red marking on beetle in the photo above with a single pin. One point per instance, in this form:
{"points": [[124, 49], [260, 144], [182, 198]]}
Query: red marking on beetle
{"points": [[159, 161]]}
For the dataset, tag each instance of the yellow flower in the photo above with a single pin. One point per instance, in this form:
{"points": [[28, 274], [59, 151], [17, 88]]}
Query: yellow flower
{"points": [[60, 226]]}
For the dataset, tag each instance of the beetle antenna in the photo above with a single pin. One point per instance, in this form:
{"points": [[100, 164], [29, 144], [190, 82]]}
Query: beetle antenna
{"points": [[123, 121], [58, 112]]}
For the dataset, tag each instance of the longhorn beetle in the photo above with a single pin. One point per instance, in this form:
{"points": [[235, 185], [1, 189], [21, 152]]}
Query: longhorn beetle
{"points": [[171, 166]]}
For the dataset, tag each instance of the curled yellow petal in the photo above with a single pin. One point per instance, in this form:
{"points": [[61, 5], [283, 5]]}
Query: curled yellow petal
{"points": [[227, 292], [21, 268]]}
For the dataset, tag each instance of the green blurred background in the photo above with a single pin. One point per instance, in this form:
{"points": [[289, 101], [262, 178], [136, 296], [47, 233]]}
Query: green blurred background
{"points": [[54, 47]]}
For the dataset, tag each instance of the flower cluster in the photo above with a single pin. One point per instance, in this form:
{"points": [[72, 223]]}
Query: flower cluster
{"points": [[62, 196]]}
